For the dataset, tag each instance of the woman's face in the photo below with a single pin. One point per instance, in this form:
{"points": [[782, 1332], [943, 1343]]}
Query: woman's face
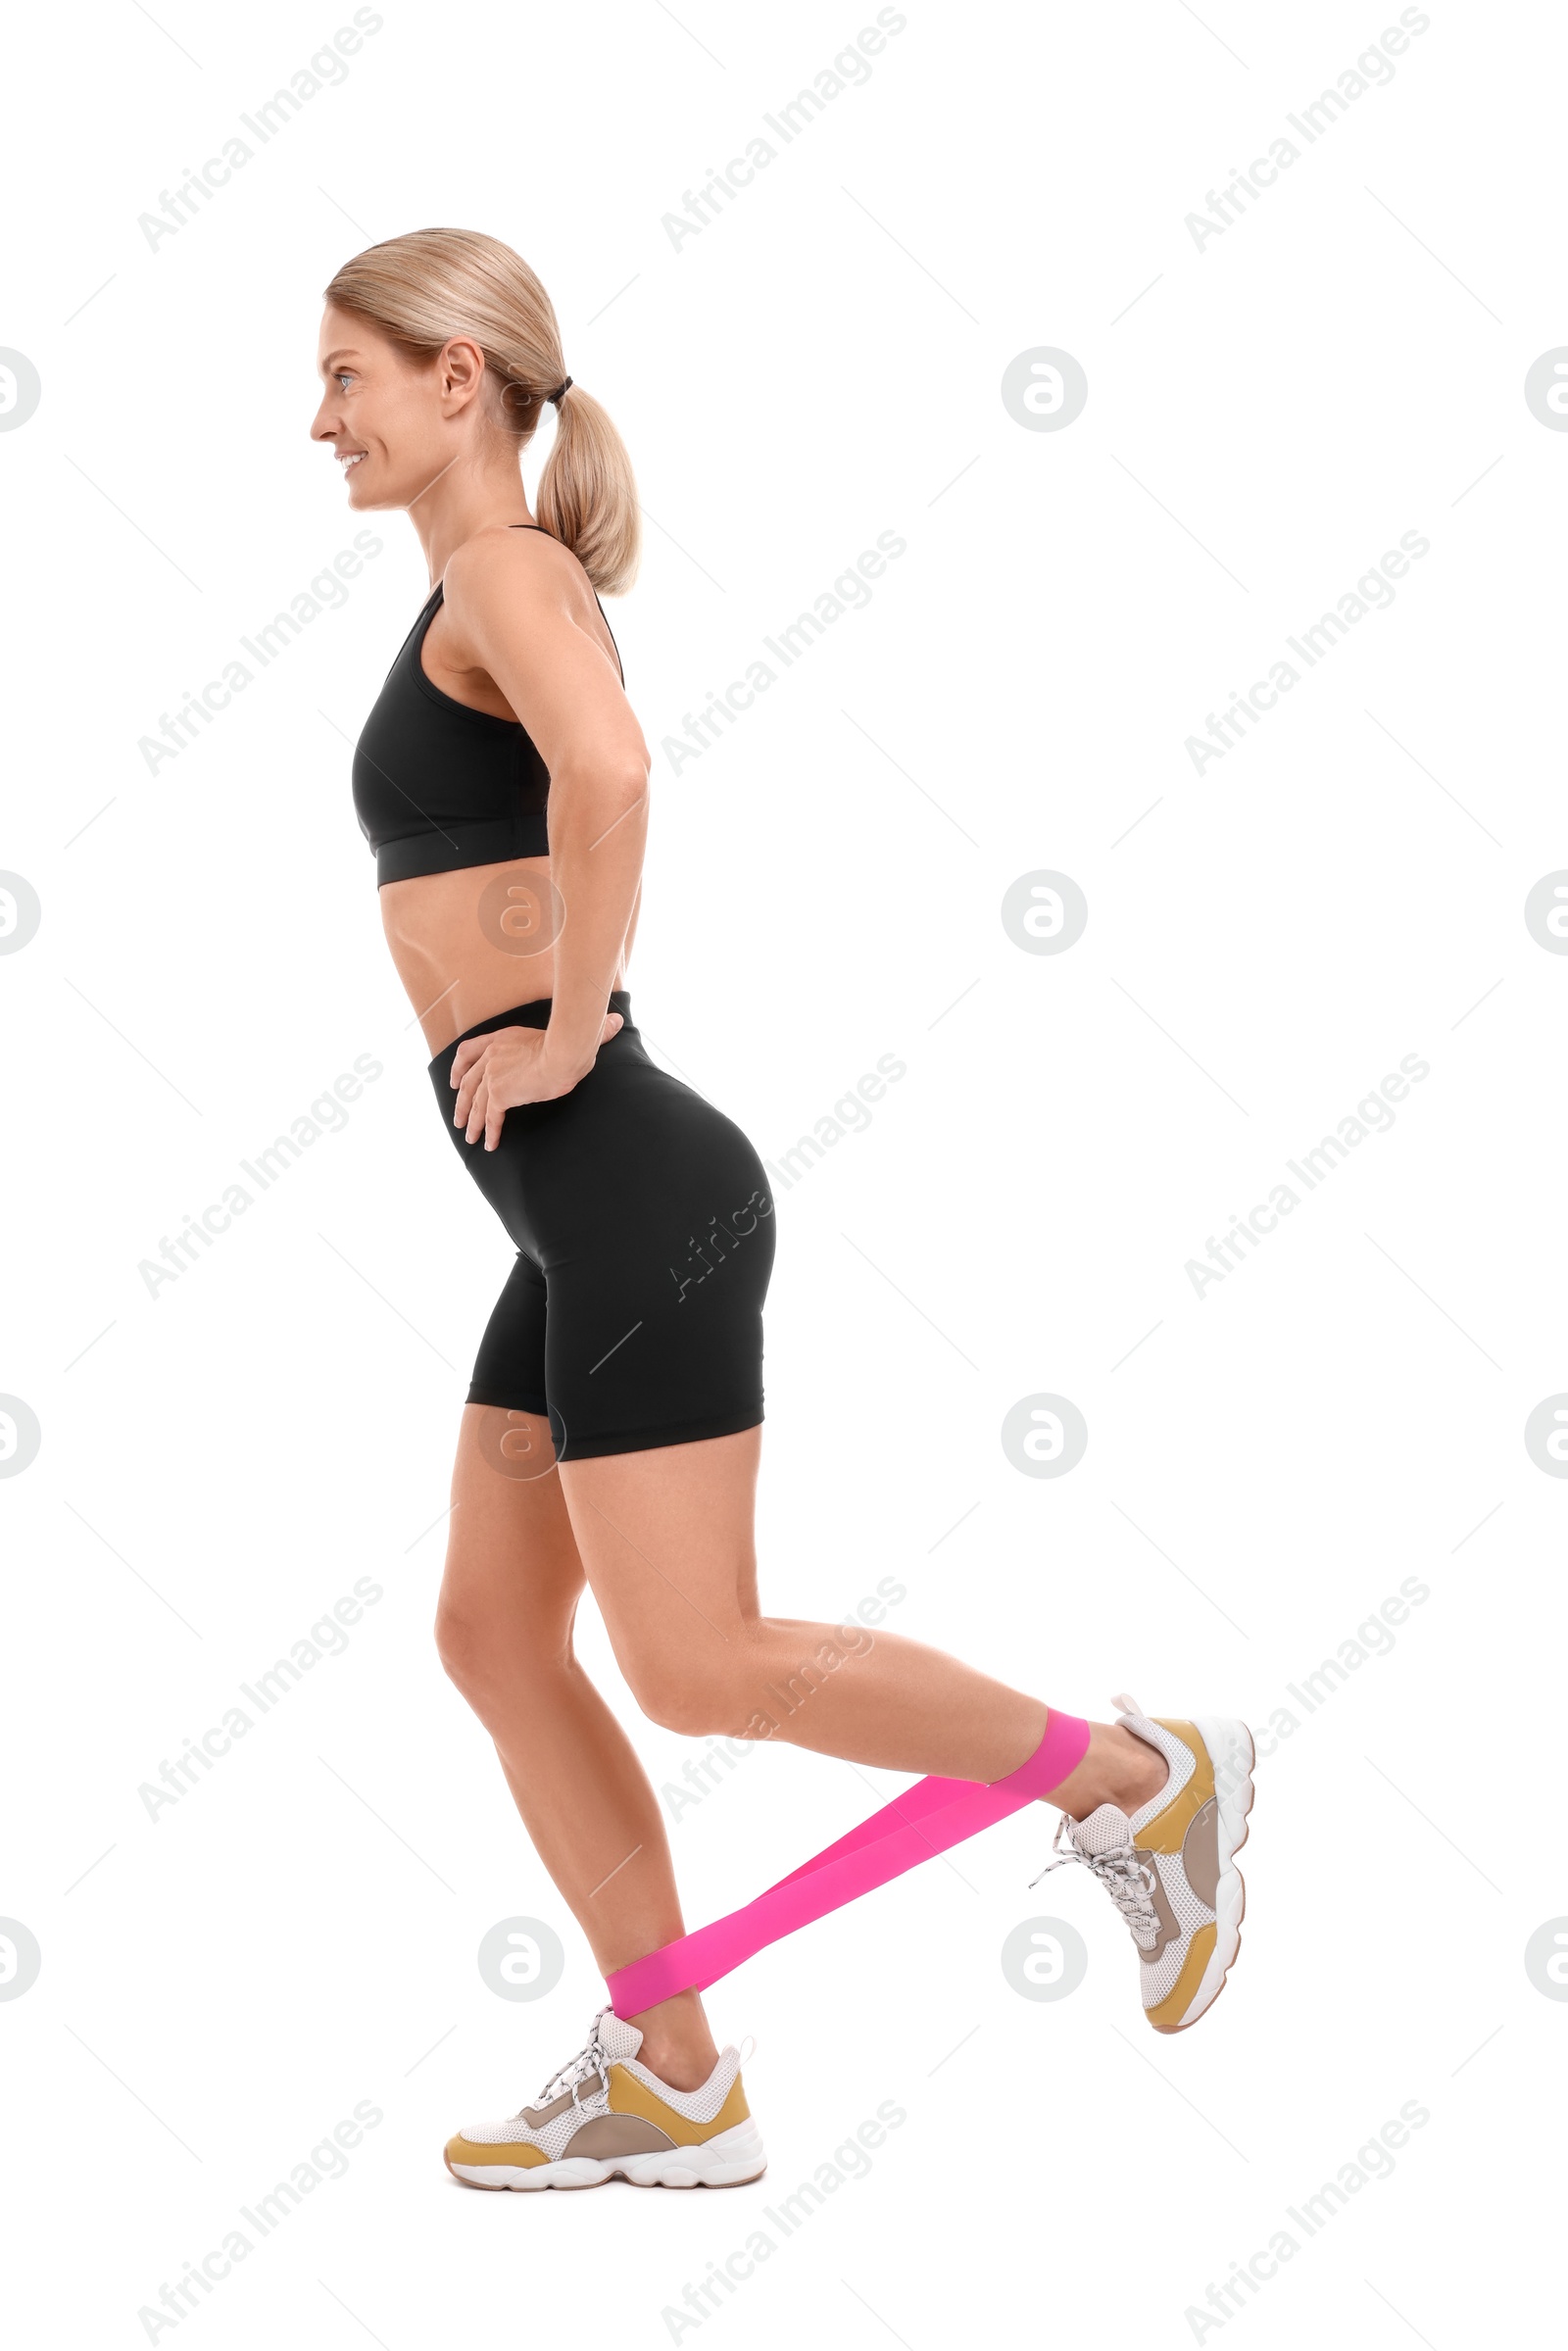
{"points": [[390, 427]]}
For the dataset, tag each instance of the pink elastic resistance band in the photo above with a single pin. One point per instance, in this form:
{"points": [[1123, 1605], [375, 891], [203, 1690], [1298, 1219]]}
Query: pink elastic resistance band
{"points": [[926, 1820]]}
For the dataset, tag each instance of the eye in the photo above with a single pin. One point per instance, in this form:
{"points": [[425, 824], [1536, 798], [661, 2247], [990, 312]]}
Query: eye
{"points": [[343, 376]]}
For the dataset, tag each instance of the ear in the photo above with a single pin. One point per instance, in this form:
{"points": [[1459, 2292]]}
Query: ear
{"points": [[460, 371]]}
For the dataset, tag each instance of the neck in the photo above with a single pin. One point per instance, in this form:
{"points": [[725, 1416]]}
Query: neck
{"points": [[465, 497]]}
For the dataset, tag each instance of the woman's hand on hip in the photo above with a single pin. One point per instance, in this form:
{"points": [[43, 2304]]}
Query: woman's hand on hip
{"points": [[504, 1068]]}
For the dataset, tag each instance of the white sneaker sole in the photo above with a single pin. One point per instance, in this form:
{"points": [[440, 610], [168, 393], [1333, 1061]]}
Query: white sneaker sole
{"points": [[727, 2161], [1230, 1744]]}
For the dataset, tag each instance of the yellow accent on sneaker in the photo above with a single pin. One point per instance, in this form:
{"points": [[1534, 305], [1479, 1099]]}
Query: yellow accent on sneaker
{"points": [[629, 2095], [1166, 1832], [513, 2151], [1168, 2015]]}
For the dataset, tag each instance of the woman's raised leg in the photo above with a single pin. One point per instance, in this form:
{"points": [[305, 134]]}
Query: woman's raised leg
{"points": [[667, 1539]]}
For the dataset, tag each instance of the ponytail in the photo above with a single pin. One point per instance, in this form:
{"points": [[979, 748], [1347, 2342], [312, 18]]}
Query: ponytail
{"points": [[587, 494]]}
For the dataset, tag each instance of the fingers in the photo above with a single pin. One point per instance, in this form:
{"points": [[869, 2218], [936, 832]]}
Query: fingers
{"points": [[467, 1069], [494, 1120], [470, 1100], [478, 1107]]}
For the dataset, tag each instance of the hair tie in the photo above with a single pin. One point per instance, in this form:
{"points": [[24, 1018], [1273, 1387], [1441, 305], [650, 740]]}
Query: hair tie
{"points": [[556, 398]]}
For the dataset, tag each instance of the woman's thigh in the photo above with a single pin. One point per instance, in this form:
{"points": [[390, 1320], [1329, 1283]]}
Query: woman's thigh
{"points": [[667, 1538], [513, 1574]]}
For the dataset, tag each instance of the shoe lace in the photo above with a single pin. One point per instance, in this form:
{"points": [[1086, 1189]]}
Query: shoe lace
{"points": [[591, 2058], [1125, 1878]]}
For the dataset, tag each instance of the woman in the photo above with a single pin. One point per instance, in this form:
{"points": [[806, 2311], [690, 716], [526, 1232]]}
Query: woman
{"points": [[611, 1432]]}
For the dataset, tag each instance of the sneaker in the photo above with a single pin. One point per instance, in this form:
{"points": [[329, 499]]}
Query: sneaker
{"points": [[606, 2117], [1170, 1868]]}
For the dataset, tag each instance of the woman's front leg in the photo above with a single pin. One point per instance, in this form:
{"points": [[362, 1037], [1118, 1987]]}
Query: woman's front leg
{"points": [[514, 1577]]}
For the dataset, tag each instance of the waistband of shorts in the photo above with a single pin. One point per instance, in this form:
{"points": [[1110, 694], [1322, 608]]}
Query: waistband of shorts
{"points": [[535, 1016]]}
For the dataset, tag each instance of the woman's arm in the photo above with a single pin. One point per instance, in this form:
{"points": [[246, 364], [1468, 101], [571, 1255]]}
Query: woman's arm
{"points": [[515, 603]]}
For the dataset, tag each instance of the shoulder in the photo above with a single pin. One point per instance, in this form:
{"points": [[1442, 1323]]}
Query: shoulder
{"points": [[499, 567], [519, 600]]}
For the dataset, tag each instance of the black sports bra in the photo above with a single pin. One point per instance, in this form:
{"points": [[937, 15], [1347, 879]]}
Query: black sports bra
{"points": [[438, 785]]}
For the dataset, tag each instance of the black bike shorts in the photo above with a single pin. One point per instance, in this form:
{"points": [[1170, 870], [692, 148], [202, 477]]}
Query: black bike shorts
{"points": [[644, 1229]]}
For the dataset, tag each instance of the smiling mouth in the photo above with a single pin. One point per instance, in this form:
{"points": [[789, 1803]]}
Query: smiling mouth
{"points": [[353, 459]]}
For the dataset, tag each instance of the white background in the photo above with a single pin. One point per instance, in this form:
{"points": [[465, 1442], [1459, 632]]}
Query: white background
{"points": [[1266, 415]]}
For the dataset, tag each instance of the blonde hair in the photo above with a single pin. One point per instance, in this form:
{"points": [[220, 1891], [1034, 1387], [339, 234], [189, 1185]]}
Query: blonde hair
{"points": [[434, 283]]}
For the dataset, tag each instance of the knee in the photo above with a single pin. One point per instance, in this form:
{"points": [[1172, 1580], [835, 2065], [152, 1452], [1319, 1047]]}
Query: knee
{"points": [[485, 1655], [705, 1700], [463, 1645], [692, 1714]]}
